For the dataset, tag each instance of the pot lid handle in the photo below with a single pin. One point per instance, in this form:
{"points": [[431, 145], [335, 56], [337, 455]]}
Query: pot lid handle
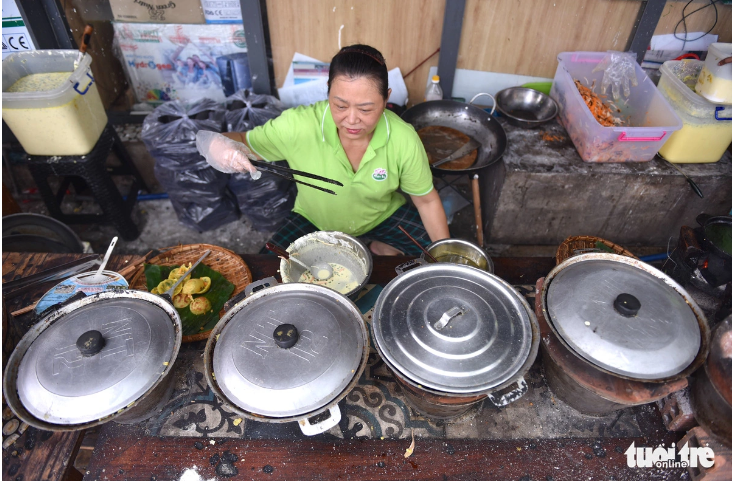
{"points": [[90, 343], [311, 429], [409, 265], [448, 316], [285, 336], [627, 305]]}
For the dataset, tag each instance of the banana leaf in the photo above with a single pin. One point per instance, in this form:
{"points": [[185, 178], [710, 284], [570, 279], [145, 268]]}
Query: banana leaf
{"points": [[220, 292]]}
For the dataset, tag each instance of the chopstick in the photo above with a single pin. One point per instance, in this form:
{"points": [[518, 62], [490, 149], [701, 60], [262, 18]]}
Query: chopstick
{"points": [[265, 169], [283, 171], [417, 243]]}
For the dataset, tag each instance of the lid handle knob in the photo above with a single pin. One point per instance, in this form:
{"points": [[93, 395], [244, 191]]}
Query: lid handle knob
{"points": [[90, 343], [285, 336], [449, 316], [627, 305]]}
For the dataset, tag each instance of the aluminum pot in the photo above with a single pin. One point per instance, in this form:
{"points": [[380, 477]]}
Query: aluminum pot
{"points": [[711, 387], [330, 247], [604, 350], [454, 335], [103, 357], [287, 353], [468, 119], [459, 251]]}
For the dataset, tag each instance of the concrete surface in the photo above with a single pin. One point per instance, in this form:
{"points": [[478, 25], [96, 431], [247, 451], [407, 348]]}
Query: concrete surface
{"points": [[543, 192]]}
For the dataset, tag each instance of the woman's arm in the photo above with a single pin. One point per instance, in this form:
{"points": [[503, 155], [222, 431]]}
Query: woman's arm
{"points": [[432, 214]]}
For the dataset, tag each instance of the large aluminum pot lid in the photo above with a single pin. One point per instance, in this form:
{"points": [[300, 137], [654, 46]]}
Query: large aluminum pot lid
{"points": [[623, 315], [453, 328], [57, 383], [262, 378]]}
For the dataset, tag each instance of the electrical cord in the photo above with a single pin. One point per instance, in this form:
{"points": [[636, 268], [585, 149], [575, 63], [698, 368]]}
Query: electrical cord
{"points": [[684, 16]]}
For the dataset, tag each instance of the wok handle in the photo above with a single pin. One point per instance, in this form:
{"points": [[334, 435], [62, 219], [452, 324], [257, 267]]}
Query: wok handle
{"points": [[489, 95], [477, 211]]}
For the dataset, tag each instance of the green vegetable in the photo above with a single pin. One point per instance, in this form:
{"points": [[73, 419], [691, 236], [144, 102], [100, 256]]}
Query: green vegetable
{"points": [[220, 292]]}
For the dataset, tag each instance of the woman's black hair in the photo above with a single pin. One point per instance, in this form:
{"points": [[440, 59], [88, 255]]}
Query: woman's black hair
{"points": [[357, 61]]}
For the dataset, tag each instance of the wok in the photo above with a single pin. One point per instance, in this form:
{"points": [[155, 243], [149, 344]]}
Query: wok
{"points": [[466, 118]]}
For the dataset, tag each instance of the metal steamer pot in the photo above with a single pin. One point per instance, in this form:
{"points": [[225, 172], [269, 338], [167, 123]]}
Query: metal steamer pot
{"points": [[454, 335], [329, 247], [459, 251], [103, 357], [468, 119], [711, 387], [287, 353], [628, 333]]}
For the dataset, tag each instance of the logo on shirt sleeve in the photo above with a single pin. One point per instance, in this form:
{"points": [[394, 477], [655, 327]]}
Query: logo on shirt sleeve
{"points": [[379, 174]]}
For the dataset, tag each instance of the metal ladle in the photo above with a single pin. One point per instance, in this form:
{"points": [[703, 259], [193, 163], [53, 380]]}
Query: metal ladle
{"points": [[320, 271]]}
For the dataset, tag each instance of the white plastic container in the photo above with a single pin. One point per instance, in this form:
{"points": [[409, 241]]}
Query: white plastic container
{"points": [[707, 130], [715, 81], [67, 120], [434, 91], [649, 119]]}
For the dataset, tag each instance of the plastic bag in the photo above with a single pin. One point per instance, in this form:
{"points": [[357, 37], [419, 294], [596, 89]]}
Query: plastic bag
{"points": [[207, 217], [246, 110], [203, 186], [265, 202], [619, 70], [169, 132]]}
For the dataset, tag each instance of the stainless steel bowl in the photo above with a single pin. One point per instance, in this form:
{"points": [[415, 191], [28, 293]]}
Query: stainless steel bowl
{"points": [[329, 247], [458, 251], [526, 108]]}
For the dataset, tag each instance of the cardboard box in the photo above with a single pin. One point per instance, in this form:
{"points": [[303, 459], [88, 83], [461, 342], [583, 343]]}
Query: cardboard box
{"points": [[177, 62], [158, 11]]}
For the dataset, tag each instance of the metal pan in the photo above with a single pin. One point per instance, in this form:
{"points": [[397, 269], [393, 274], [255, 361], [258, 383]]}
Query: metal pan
{"points": [[468, 119]]}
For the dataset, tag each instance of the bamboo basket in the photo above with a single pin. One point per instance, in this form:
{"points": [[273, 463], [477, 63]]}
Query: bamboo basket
{"points": [[224, 261], [580, 244]]}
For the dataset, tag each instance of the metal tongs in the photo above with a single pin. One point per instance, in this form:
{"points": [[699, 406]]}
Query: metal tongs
{"points": [[284, 171]]}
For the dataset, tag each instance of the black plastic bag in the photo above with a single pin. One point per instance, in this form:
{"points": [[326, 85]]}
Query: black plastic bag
{"points": [[169, 132], [246, 110], [266, 202], [204, 218], [203, 186]]}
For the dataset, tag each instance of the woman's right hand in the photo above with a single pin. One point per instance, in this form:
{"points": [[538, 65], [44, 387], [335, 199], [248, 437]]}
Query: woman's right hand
{"points": [[224, 154]]}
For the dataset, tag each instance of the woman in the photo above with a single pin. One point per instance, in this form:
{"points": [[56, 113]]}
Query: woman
{"points": [[353, 139]]}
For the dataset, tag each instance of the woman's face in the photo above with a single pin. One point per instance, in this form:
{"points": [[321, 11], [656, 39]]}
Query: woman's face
{"points": [[356, 106]]}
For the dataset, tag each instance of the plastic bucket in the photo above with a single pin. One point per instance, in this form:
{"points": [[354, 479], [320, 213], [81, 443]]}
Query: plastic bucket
{"points": [[66, 120]]}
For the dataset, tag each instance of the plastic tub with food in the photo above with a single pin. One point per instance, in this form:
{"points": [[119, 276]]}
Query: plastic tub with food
{"points": [[52, 107], [715, 81], [707, 130], [635, 128]]}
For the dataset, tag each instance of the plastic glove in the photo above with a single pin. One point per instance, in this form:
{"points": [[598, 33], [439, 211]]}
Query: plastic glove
{"points": [[224, 154], [619, 68]]}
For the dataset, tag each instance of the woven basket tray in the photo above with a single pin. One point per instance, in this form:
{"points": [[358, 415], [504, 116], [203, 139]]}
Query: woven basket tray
{"points": [[228, 264], [586, 243]]}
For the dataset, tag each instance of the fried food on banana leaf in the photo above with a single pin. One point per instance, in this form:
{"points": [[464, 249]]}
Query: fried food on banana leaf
{"points": [[200, 305]]}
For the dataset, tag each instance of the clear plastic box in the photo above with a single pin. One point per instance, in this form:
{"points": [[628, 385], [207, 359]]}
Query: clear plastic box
{"points": [[707, 130], [649, 119], [67, 120]]}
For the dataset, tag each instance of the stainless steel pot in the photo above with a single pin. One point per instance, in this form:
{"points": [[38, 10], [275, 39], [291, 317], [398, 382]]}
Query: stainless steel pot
{"points": [[287, 353], [625, 318], [454, 335], [459, 251], [711, 387], [468, 119], [93, 360], [329, 247]]}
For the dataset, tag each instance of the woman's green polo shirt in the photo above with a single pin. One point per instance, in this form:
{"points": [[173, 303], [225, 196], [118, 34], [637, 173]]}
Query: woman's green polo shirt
{"points": [[307, 138]]}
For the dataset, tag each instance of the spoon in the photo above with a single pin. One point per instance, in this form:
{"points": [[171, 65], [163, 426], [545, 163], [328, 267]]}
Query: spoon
{"points": [[98, 276], [321, 271]]}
